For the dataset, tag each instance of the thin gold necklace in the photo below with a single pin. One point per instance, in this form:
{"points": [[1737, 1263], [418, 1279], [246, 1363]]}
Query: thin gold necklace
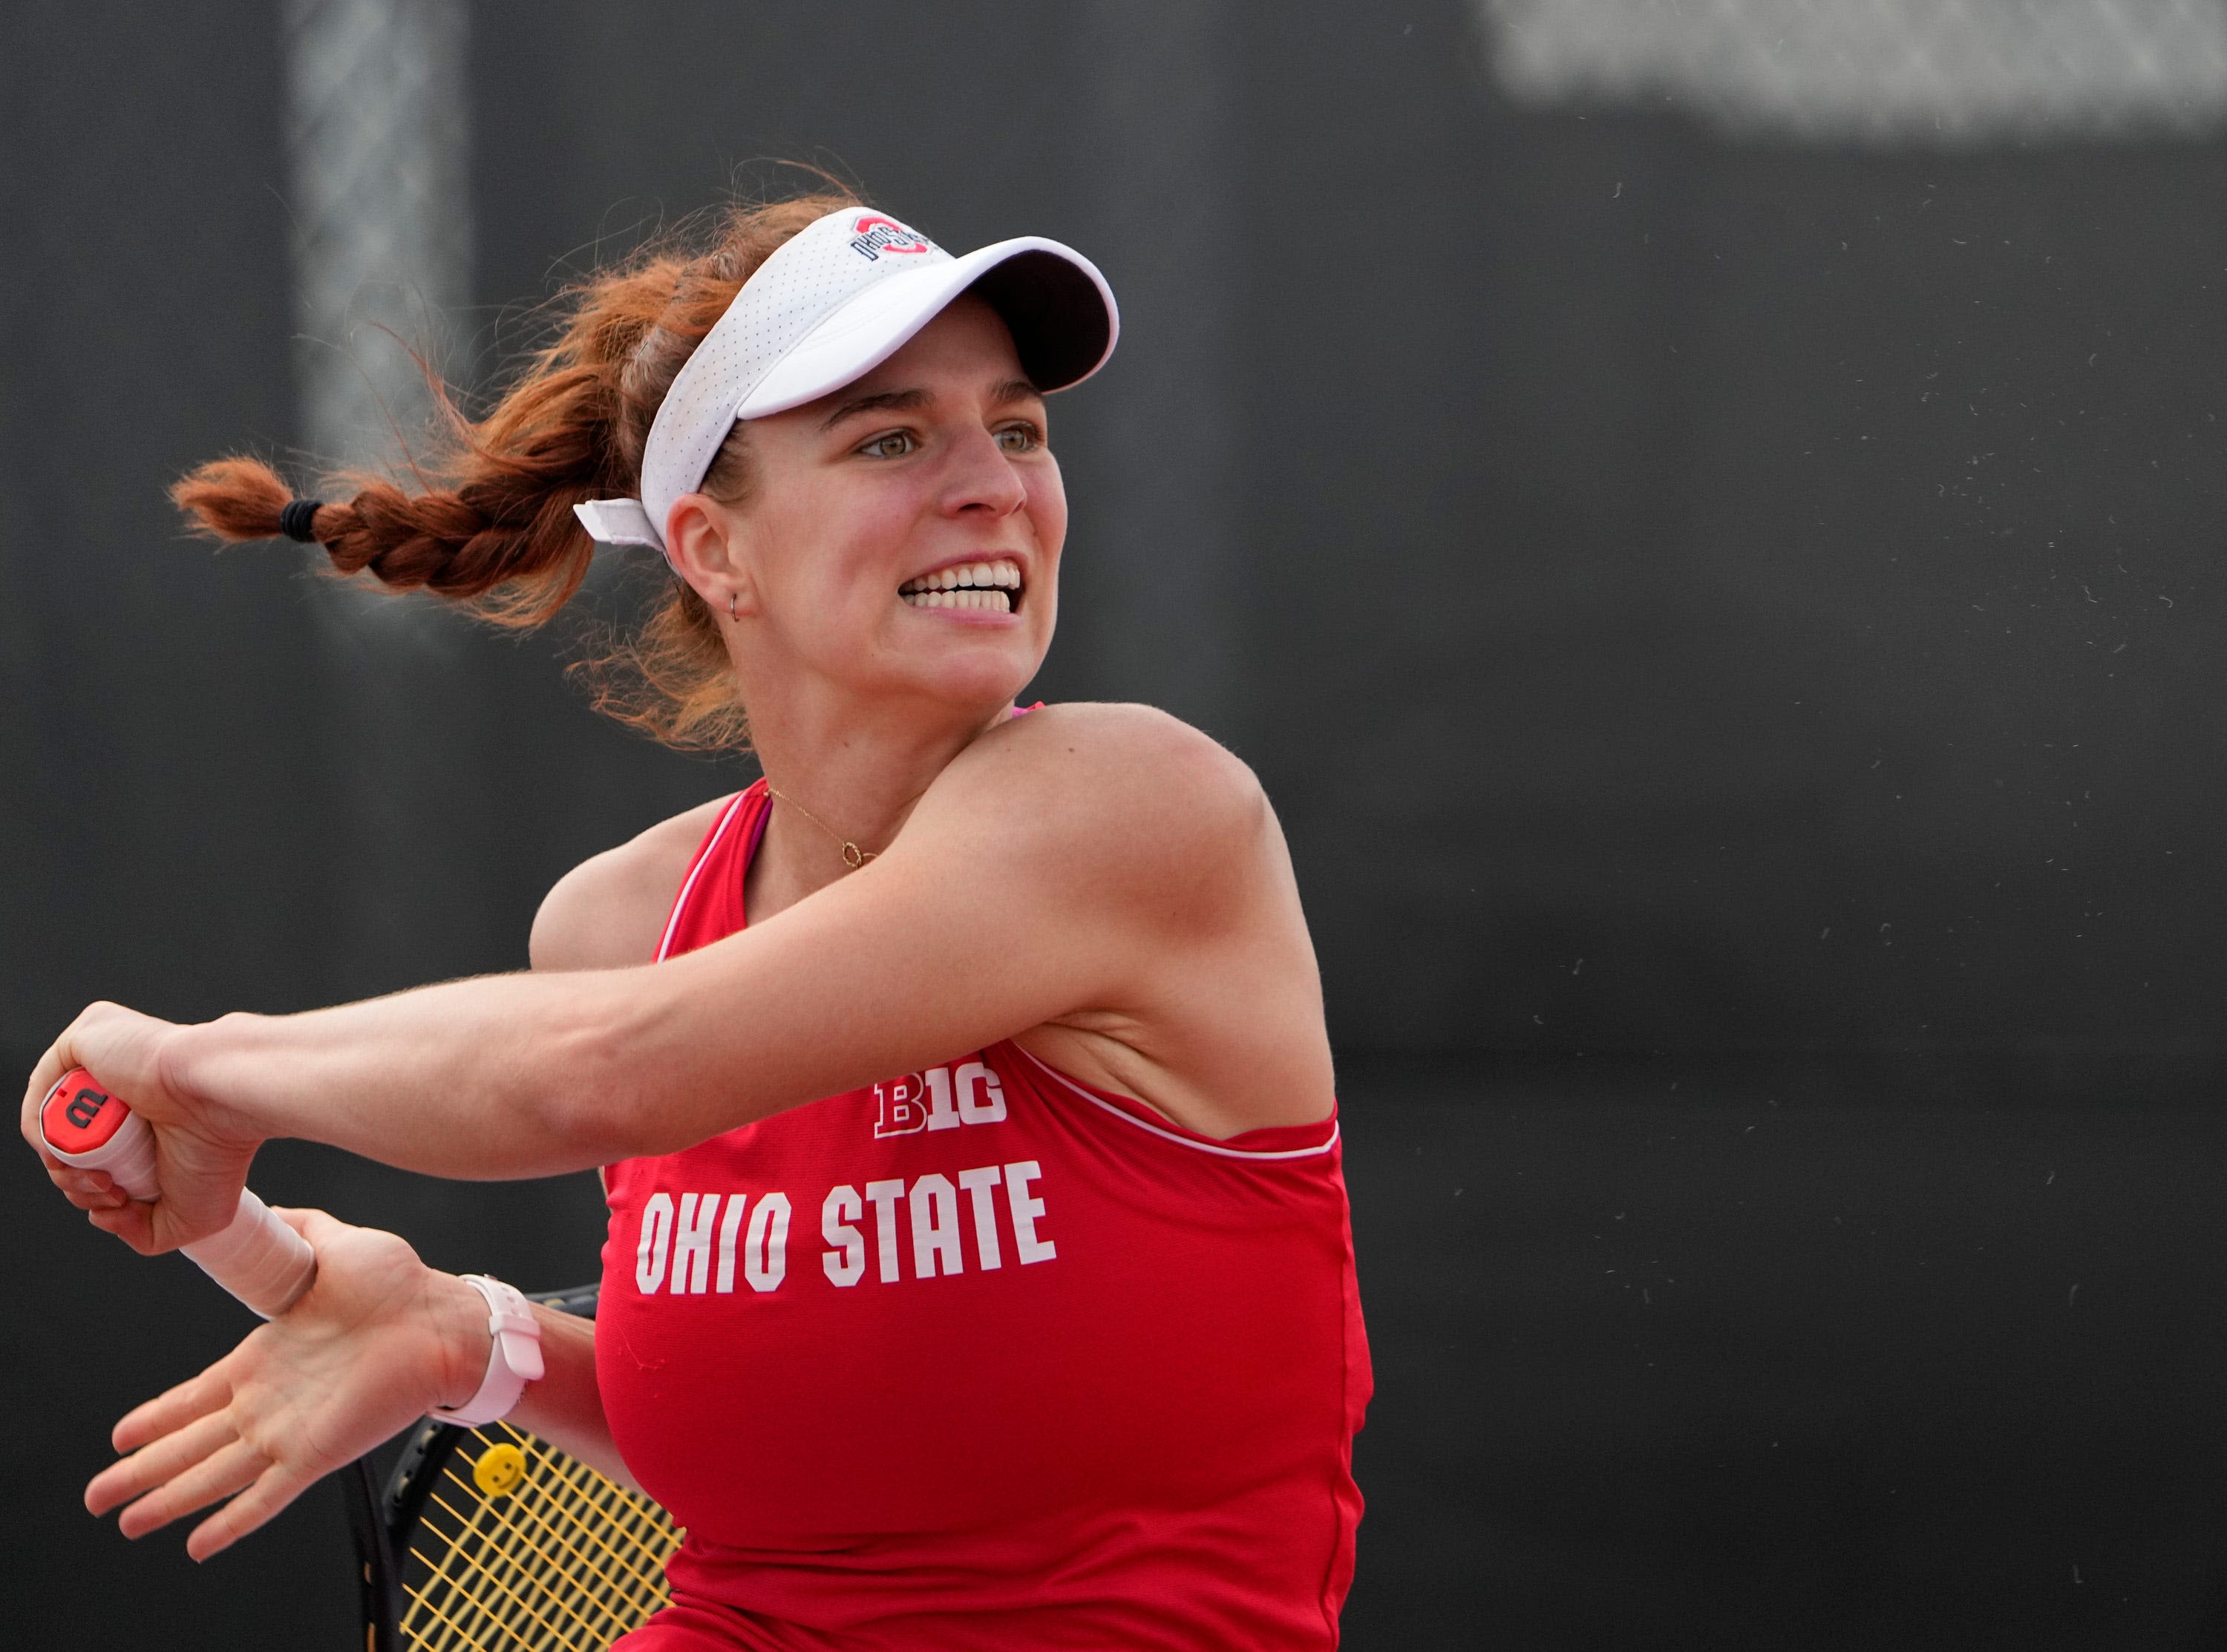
{"points": [[853, 857]]}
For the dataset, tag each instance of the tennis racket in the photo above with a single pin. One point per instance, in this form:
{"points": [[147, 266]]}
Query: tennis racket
{"points": [[257, 1257], [488, 1539]]}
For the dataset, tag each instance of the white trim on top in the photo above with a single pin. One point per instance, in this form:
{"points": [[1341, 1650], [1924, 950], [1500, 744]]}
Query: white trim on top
{"points": [[1216, 1148], [703, 860]]}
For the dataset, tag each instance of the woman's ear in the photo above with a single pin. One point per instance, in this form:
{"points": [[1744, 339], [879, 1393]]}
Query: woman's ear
{"points": [[701, 532]]}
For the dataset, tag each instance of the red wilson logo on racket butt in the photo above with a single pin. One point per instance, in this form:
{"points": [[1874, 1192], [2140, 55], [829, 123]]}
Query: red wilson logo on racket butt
{"points": [[78, 1115]]}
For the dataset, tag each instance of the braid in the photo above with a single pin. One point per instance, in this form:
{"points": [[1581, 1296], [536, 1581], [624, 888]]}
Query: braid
{"points": [[503, 539], [497, 534]]}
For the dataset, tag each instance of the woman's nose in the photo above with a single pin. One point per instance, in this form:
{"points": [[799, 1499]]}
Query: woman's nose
{"points": [[983, 478]]}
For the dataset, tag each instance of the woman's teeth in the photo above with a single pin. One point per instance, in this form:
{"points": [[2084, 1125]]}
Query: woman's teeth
{"points": [[995, 601], [990, 586]]}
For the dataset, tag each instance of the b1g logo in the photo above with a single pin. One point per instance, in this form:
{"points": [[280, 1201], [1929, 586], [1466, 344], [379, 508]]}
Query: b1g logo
{"points": [[876, 236], [940, 1099]]}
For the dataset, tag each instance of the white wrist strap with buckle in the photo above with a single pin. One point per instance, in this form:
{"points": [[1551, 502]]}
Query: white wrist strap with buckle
{"points": [[514, 1361]]}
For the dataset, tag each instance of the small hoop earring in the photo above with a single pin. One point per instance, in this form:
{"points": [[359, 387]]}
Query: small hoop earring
{"points": [[731, 607]]}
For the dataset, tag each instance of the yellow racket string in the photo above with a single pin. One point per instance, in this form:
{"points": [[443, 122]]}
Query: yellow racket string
{"points": [[598, 1514], [500, 1553], [508, 1554], [615, 1561], [563, 1561], [483, 1582], [524, 1541]]}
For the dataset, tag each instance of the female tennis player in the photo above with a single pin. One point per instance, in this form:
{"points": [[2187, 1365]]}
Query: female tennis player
{"points": [[977, 1271]]}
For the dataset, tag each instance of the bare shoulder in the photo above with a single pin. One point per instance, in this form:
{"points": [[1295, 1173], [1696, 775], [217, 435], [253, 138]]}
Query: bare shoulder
{"points": [[1124, 740], [1160, 847], [607, 912], [1129, 783]]}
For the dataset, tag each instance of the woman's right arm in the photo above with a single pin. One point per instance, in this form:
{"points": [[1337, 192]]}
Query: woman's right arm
{"points": [[382, 1339], [565, 1407]]}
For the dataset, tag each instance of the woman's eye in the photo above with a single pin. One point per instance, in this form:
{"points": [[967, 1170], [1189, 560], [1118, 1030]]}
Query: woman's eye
{"points": [[894, 446], [1020, 438]]}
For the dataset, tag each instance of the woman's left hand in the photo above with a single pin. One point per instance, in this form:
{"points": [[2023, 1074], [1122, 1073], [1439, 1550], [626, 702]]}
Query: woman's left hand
{"points": [[380, 1340], [201, 1154]]}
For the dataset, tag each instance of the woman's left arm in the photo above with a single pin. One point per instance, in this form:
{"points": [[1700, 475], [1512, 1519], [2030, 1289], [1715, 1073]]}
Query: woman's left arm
{"points": [[1050, 868]]}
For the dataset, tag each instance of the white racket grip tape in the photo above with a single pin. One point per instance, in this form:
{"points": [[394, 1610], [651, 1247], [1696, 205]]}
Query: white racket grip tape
{"points": [[256, 1257]]}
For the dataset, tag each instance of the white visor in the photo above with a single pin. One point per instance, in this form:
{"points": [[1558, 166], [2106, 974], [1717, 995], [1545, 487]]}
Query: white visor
{"points": [[835, 302]]}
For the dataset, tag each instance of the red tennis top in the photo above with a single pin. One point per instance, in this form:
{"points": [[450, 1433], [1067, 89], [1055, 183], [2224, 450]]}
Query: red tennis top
{"points": [[983, 1357]]}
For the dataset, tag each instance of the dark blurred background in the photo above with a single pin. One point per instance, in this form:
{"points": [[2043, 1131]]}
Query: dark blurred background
{"points": [[1706, 517]]}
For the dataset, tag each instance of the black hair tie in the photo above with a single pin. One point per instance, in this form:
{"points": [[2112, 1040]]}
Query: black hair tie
{"points": [[295, 521]]}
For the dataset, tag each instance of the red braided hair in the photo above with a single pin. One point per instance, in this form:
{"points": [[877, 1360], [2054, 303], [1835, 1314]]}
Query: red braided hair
{"points": [[497, 534]]}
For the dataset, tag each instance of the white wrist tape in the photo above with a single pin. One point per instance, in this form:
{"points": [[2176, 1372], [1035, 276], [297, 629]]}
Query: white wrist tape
{"points": [[514, 1358]]}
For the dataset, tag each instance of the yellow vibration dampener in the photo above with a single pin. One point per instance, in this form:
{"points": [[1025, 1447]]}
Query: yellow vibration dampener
{"points": [[499, 1470]]}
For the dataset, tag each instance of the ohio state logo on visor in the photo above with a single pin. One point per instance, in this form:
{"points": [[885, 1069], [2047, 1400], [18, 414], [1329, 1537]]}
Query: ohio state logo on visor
{"points": [[876, 236]]}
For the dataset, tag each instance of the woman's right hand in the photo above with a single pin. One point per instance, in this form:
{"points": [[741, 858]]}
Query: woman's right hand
{"points": [[201, 1154], [380, 1340]]}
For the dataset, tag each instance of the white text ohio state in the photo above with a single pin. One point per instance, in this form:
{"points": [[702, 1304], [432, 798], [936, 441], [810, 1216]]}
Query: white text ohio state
{"points": [[693, 1243]]}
